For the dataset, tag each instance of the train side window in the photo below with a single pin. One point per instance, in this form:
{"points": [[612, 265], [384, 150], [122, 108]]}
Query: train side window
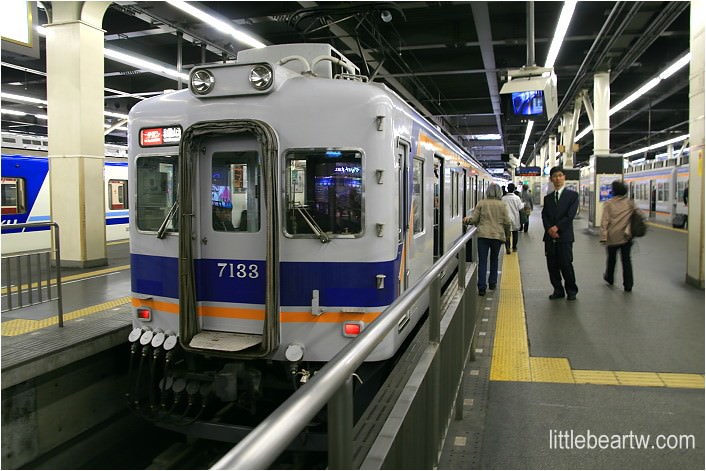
{"points": [[454, 193], [14, 198], [117, 194], [235, 198], [418, 195], [156, 191], [324, 191]]}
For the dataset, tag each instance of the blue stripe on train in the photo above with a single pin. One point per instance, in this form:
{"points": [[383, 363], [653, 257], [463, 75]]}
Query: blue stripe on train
{"points": [[112, 221], [339, 283]]}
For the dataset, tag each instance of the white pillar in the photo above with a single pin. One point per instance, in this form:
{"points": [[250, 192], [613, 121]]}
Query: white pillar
{"points": [[76, 141], [695, 247], [601, 120], [567, 138], [551, 150]]}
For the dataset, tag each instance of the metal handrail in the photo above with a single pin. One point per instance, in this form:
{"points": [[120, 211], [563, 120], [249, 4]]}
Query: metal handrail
{"points": [[57, 250], [264, 444]]}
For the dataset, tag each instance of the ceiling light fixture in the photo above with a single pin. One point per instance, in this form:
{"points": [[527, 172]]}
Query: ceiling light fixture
{"points": [[528, 131], [214, 22], [666, 73], [657, 146], [134, 61], [567, 12]]}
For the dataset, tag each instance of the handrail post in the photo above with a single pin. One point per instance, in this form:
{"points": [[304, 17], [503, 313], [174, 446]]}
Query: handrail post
{"points": [[462, 342], [340, 427], [435, 374], [59, 303]]}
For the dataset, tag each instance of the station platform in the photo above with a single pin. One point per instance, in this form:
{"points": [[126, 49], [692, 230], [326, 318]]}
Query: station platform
{"points": [[612, 380], [97, 316]]}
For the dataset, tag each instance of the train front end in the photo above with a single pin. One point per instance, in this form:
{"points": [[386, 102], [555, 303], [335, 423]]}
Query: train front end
{"points": [[251, 256]]}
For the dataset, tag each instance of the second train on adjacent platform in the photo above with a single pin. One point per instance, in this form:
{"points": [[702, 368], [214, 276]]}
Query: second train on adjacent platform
{"points": [[279, 206]]}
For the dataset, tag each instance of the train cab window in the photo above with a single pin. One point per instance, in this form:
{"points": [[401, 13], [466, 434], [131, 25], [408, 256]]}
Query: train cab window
{"points": [[324, 191], [418, 196], [156, 192], [117, 194], [14, 199], [235, 201]]}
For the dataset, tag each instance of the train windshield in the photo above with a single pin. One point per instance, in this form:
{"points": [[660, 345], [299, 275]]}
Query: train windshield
{"points": [[324, 192], [13, 195], [156, 192]]}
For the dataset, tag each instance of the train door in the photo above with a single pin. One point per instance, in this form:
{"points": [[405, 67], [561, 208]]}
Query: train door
{"points": [[438, 206], [653, 199], [403, 240], [230, 255]]}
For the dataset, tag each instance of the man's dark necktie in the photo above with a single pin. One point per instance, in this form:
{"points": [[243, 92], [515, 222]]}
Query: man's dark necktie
{"points": [[556, 197]]}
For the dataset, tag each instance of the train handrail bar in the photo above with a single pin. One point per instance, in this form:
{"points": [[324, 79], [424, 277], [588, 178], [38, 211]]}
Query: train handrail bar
{"points": [[266, 442], [57, 251]]}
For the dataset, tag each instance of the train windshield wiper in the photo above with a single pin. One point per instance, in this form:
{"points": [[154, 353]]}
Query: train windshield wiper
{"points": [[163, 227], [309, 219]]}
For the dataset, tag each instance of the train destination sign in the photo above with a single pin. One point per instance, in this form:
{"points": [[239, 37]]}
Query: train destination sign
{"points": [[165, 136], [528, 172]]}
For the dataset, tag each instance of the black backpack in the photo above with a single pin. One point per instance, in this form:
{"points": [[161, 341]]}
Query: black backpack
{"points": [[638, 226]]}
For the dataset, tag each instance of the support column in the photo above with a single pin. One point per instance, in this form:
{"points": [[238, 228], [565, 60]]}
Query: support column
{"points": [[601, 120], [567, 138], [695, 247], [551, 150], [76, 141]]}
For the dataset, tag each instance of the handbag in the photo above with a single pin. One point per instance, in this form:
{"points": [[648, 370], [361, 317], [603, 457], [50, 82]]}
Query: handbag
{"points": [[638, 226]]}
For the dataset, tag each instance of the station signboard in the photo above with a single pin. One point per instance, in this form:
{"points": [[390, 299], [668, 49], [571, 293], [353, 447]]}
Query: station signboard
{"points": [[528, 172]]}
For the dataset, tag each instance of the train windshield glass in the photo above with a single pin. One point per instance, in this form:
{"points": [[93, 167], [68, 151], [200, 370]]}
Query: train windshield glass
{"points": [[156, 192], [324, 192], [235, 205]]}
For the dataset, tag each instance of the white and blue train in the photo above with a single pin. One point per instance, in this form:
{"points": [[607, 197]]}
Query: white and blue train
{"points": [[25, 196], [278, 206]]}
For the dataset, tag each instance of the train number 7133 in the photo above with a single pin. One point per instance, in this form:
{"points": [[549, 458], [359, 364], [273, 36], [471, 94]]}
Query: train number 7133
{"points": [[240, 270]]}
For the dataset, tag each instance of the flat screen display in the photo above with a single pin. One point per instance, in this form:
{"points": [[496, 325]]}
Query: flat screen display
{"points": [[530, 103]]}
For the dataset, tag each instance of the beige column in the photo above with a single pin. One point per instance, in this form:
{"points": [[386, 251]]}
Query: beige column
{"points": [[695, 248], [76, 141], [601, 118]]}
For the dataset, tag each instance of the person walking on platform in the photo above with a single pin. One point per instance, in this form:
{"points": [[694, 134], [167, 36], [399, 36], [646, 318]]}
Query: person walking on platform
{"points": [[526, 197], [515, 207], [558, 214], [493, 222], [615, 233]]}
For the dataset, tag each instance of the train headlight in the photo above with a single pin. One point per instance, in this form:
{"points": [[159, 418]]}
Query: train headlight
{"points": [[260, 77], [202, 82]]}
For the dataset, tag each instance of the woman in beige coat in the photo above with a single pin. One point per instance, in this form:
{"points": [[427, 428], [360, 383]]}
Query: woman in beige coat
{"points": [[615, 233], [493, 221]]}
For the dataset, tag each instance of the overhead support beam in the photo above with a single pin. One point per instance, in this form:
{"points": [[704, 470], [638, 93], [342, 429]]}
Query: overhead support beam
{"points": [[481, 19]]}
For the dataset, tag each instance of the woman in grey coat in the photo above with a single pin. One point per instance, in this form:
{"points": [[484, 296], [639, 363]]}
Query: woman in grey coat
{"points": [[493, 221], [615, 233]]}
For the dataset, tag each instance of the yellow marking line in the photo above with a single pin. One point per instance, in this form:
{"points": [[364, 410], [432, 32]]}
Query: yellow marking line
{"points": [[64, 279], [662, 226], [511, 360], [116, 242], [24, 326]]}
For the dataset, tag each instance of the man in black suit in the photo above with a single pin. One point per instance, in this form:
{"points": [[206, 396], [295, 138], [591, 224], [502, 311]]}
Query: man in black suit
{"points": [[558, 214]]}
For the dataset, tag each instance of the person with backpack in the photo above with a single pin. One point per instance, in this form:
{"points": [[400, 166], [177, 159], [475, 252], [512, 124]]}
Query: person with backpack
{"points": [[616, 233]]}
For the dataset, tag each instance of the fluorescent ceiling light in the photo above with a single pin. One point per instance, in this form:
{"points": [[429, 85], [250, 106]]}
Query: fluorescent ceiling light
{"points": [[668, 72], [562, 25], [25, 99], [135, 61], [13, 112], [143, 64], [528, 131], [485, 137], [657, 146], [220, 25], [115, 115]]}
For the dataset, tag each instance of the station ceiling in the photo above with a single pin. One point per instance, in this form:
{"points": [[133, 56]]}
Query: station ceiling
{"points": [[447, 59]]}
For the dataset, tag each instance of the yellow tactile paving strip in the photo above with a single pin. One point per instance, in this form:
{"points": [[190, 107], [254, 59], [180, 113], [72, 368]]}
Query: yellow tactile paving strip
{"points": [[64, 279], [24, 326], [511, 360]]}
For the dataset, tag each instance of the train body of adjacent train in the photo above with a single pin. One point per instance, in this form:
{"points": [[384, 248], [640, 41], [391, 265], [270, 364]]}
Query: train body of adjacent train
{"points": [[657, 186], [276, 213], [26, 198]]}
